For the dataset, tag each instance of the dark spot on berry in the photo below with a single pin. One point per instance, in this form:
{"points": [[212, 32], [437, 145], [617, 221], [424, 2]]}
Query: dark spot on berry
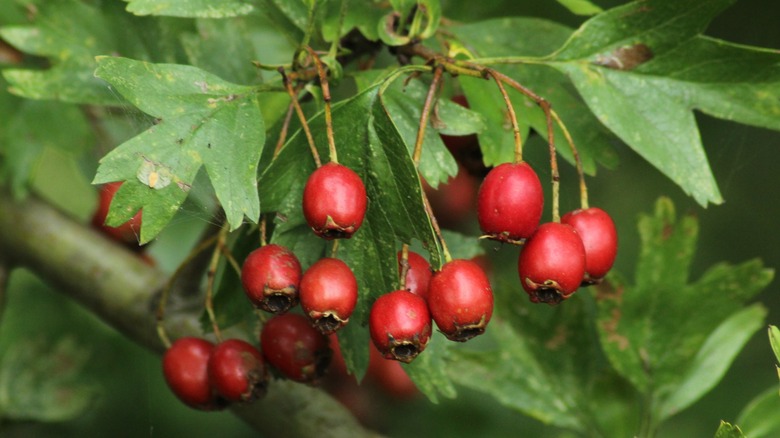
{"points": [[327, 324], [405, 352], [278, 303], [548, 295]]}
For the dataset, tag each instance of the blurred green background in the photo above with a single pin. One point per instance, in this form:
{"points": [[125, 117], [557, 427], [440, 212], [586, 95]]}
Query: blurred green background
{"points": [[134, 400]]}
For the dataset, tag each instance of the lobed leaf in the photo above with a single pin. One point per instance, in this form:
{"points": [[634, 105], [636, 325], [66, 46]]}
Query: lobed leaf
{"points": [[203, 121], [633, 321], [190, 8]]}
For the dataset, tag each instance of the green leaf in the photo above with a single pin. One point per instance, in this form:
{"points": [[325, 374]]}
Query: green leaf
{"points": [[759, 418], [581, 7], [774, 341], [40, 381], [659, 24], [35, 127], [190, 8], [511, 372], [429, 371], [713, 359], [644, 66], [203, 121], [634, 109], [633, 321], [529, 37], [361, 15], [726, 430], [70, 34], [221, 47], [368, 143]]}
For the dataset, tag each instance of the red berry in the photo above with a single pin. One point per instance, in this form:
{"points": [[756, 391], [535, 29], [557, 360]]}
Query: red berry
{"points": [[461, 300], [334, 201], [598, 234], [185, 367], [329, 293], [552, 263], [418, 276], [453, 202], [295, 348], [390, 376], [400, 325], [237, 371], [127, 232], [271, 275], [510, 202]]}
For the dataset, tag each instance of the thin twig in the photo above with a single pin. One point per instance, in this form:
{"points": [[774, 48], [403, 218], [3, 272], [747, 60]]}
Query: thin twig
{"points": [[210, 276], [404, 262], [294, 100], [326, 98], [577, 160], [426, 111], [513, 120]]}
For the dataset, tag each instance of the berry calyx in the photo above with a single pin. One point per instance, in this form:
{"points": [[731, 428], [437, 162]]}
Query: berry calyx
{"points": [[510, 202], [185, 368], [400, 325], [127, 232], [552, 263], [461, 300], [298, 351], [418, 276], [271, 275], [329, 293], [598, 234], [237, 371], [334, 201]]}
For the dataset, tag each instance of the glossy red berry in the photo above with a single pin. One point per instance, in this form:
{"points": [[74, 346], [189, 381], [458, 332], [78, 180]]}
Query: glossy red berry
{"points": [[296, 349], [418, 276], [461, 300], [329, 293], [510, 202], [237, 371], [598, 234], [334, 201], [129, 231], [185, 368], [400, 325], [271, 276], [552, 263]]}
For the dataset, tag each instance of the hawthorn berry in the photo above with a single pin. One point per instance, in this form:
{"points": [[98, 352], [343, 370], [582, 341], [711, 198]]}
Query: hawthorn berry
{"points": [[418, 276], [127, 232], [461, 300], [185, 368], [552, 263], [237, 372], [598, 234], [400, 325], [271, 275], [334, 201], [453, 202], [510, 202], [296, 349], [329, 293]]}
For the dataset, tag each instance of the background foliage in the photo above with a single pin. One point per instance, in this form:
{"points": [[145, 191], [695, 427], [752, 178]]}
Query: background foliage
{"points": [[615, 361]]}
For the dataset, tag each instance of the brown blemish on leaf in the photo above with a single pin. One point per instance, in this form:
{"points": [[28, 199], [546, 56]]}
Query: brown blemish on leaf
{"points": [[666, 233], [607, 291], [625, 58], [610, 328], [558, 339]]}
